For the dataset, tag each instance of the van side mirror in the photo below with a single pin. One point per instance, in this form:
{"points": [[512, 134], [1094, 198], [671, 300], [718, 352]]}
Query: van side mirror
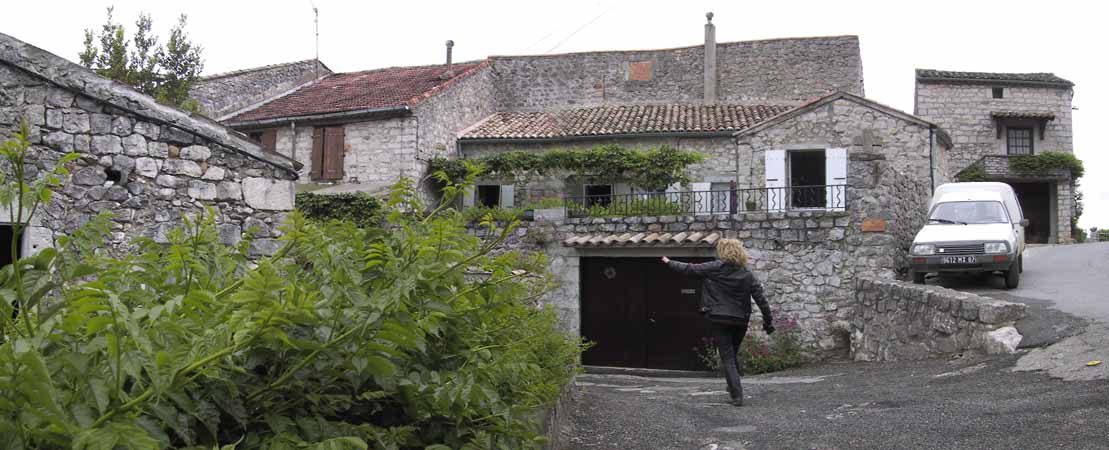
{"points": [[1024, 222]]}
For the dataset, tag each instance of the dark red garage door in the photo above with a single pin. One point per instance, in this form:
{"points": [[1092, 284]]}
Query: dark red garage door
{"points": [[639, 313]]}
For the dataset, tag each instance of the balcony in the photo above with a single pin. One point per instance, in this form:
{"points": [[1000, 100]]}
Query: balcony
{"points": [[730, 201], [1015, 168]]}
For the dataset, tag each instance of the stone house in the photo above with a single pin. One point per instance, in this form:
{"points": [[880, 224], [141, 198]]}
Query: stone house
{"points": [[147, 163], [224, 94], [993, 116]]}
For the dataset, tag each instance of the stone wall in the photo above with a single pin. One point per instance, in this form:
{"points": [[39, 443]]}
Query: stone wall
{"points": [[803, 258], [963, 110], [775, 71], [377, 151], [467, 101], [148, 164], [225, 93], [894, 320]]}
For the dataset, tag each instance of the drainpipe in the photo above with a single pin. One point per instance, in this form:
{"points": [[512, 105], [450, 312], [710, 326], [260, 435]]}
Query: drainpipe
{"points": [[931, 156], [293, 147]]}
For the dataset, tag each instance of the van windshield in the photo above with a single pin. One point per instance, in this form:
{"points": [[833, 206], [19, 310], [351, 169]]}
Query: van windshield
{"points": [[962, 213]]}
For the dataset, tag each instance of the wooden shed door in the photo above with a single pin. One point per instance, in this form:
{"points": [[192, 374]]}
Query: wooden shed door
{"points": [[328, 150], [639, 313]]}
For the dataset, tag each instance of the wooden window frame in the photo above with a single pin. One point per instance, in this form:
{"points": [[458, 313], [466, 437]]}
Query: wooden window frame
{"points": [[328, 153], [1009, 140]]}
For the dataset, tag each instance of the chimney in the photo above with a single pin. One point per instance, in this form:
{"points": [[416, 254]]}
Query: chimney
{"points": [[450, 71], [710, 61]]}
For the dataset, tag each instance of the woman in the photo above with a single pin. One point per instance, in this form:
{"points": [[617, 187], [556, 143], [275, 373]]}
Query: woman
{"points": [[726, 302]]}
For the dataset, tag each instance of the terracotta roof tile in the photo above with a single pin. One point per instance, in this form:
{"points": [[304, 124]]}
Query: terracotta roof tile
{"points": [[625, 119], [1023, 115], [948, 75], [371, 89], [684, 239]]}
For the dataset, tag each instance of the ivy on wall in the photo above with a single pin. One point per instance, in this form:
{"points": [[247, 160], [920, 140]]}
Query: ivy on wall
{"points": [[654, 169], [1047, 162], [357, 207]]}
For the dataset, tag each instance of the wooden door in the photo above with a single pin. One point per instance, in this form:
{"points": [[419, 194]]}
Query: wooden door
{"points": [[334, 150], [613, 311], [639, 313]]}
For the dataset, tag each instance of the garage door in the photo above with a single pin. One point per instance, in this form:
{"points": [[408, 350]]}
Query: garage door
{"points": [[639, 313]]}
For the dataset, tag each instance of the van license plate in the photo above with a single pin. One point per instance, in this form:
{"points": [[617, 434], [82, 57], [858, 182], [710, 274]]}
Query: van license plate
{"points": [[958, 260]]}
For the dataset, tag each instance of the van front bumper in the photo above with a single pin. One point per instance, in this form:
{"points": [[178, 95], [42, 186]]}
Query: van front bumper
{"points": [[976, 263]]}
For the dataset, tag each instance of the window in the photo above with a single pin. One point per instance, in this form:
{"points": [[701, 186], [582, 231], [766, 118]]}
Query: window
{"points": [[328, 148], [7, 235], [488, 196], [998, 92], [807, 171], [598, 194], [268, 139], [972, 212], [804, 179], [1019, 141]]}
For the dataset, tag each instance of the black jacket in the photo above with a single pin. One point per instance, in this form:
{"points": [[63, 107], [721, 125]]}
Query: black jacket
{"points": [[727, 290]]}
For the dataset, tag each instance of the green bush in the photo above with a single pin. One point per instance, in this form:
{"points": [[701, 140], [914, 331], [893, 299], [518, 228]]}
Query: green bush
{"points": [[494, 214], [348, 338], [1047, 162], [359, 208], [546, 203], [629, 206], [973, 172]]}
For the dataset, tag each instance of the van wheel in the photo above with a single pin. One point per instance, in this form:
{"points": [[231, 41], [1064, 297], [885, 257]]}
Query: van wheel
{"points": [[1012, 278], [918, 277]]}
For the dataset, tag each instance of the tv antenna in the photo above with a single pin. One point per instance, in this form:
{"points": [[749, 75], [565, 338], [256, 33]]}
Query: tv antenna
{"points": [[316, 11]]}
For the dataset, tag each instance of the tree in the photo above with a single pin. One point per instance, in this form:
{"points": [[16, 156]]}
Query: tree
{"points": [[163, 72]]}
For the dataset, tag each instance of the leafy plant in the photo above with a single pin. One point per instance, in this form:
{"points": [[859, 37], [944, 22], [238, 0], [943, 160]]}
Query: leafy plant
{"points": [[781, 351], [971, 173], [163, 72], [360, 208], [1047, 162], [546, 203], [653, 169], [628, 206], [494, 214], [349, 337]]}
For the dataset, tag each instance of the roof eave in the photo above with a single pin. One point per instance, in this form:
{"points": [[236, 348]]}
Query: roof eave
{"points": [[985, 81], [343, 116], [838, 95], [593, 137]]}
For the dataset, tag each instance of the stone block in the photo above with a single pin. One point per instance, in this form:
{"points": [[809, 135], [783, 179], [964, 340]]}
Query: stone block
{"points": [[196, 153], [201, 190], [147, 167], [968, 310], [168, 181], [1002, 341], [230, 233], [182, 167], [121, 126], [214, 173], [107, 145], [135, 145], [90, 176], [268, 194], [998, 312]]}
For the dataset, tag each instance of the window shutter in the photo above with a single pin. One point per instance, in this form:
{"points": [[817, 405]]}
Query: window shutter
{"points": [[317, 153], [269, 140], [835, 176], [702, 199], [508, 195], [775, 180], [468, 197], [333, 153]]}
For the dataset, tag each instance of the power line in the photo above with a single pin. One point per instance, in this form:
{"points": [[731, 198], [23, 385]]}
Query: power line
{"points": [[587, 24]]}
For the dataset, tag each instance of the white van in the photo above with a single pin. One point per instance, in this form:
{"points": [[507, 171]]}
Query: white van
{"points": [[972, 227]]}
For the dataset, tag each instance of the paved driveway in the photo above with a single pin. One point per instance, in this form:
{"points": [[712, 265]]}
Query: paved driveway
{"points": [[1071, 278], [936, 404]]}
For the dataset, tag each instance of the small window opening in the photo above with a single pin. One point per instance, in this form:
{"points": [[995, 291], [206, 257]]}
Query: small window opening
{"points": [[598, 194], [114, 176], [488, 196], [7, 235], [998, 92]]}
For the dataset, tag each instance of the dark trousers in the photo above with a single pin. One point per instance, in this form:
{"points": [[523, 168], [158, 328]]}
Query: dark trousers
{"points": [[728, 336]]}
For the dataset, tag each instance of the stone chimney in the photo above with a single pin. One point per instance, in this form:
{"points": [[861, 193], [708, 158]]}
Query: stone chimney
{"points": [[710, 61], [450, 69]]}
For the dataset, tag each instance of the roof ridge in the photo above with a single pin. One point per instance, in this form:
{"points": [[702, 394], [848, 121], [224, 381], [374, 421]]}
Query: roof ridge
{"points": [[70, 76], [231, 73], [684, 47], [425, 66]]}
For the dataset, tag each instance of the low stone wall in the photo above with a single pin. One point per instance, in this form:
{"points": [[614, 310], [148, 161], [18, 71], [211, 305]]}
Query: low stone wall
{"points": [[894, 320]]}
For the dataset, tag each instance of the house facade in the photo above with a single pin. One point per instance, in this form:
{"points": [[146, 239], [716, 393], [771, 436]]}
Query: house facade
{"points": [[993, 117], [148, 164]]}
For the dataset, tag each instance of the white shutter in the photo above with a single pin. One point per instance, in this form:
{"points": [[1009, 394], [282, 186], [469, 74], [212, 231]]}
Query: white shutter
{"points": [[835, 176], [701, 198], [775, 180], [508, 195], [468, 197]]}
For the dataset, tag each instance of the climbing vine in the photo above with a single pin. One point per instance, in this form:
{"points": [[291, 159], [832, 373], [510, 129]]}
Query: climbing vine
{"points": [[653, 169], [1047, 162]]}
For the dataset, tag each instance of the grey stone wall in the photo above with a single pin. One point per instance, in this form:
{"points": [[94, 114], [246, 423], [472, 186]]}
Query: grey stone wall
{"points": [[164, 171], [803, 258], [444, 115], [963, 110], [222, 94], [776, 71], [895, 320], [377, 151]]}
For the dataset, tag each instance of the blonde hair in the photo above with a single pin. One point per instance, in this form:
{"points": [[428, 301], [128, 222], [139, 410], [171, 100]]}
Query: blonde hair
{"points": [[731, 251]]}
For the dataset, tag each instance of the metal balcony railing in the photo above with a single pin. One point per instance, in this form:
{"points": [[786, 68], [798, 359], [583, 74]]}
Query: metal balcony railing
{"points": [[729, 201]]}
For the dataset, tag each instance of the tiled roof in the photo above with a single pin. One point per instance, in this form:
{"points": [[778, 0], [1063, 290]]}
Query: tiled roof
{"points": [[627, 119], [355, 91], [683, 239], [1023, 115], [1034, 78]]}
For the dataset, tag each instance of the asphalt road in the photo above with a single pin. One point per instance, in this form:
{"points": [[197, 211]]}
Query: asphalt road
{"points": [[937, 404], [1071, 278]]}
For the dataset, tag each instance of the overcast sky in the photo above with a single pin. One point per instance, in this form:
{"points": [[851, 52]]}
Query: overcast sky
{"points": [[1066, 38]]}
